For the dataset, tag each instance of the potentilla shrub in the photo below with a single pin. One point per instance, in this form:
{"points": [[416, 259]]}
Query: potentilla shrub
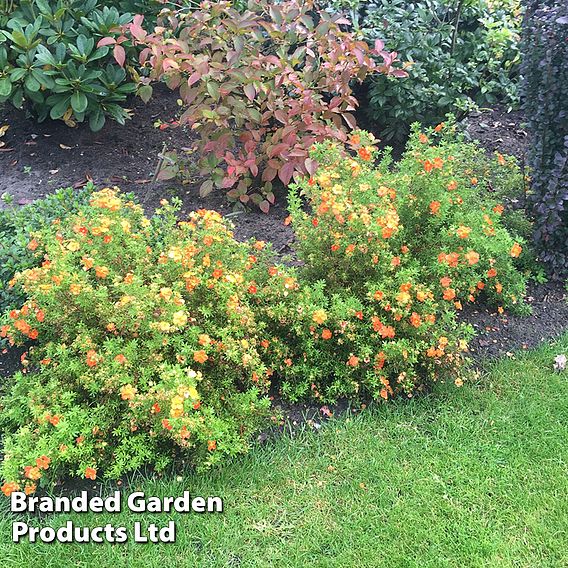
{"points": [[545, 72], [144, 345], [391, 254], [258, 87]]}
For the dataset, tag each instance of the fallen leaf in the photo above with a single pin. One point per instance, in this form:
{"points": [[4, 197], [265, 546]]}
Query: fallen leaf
{"points": [[63, 147], [53, 172], [3, 129]]}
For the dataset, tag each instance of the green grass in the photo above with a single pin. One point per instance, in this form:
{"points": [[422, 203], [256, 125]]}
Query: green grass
{"points": [[465, 477]]}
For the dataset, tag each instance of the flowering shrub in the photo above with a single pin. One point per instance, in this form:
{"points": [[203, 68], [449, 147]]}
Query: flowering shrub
{"points": [[146, 345], [258, 87], [366, 222], [397, 251], [155, 338]]}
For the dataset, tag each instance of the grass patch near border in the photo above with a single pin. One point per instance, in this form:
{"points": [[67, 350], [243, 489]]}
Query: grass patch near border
{"points": [[469, 477]]}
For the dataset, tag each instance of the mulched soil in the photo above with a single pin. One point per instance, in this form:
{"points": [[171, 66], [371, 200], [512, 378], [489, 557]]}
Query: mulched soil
{"points": [[39, 158], [499, 130]]}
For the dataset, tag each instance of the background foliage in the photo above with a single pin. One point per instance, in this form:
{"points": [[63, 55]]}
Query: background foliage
{"points": [[545, 71], [458, 54]]}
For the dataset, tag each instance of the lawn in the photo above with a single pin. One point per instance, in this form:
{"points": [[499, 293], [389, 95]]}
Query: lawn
{"points": [[467, 477]]}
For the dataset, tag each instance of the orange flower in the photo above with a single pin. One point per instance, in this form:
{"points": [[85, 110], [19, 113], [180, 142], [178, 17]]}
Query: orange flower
{"points": [[32, 472], [463, 232], [33, 244], [326, 334], [438, 163], [452, 185], [445, 281], [491, 273], [9, 487], [439, 127], [92, 358], [449, 294], [473, 181], [75, 289], [423, 138], [353, 361], [166, 424], [472, 257], [387, 331], [355, 140], [211, 445], [120, 359], [200, 356], [498, 209], [434, 207], [101, 271], [415, 320], [365, 154], [87, 262], [516, 250], [43, 462], [500, 159], [30, 488], [91, 473], [428, 166], [54, 420]]}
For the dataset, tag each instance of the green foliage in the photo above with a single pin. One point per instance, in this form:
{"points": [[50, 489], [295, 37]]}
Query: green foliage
{"points": [[16, 228], [51, 63], [398, 250], [156, 339], [147, 345], [458, 54], [545, 72]]}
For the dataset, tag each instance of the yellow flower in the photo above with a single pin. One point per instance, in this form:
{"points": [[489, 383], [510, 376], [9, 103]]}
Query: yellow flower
{"points": [[319, 316], [127, 392], [179, 318], [73, 246], [163, 326], [166, 293]]}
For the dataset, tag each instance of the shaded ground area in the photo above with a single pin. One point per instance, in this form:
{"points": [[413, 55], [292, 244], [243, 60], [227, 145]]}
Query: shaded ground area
{"points": [[39, 158], [499, 130], [499, 335]]}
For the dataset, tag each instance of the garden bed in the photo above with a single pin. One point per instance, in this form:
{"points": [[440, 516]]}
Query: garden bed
{"points": [[38, 158]]}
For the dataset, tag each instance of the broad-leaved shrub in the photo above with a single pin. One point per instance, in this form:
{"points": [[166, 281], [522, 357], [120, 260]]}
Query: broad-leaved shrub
{"points": [[258, 87]]}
